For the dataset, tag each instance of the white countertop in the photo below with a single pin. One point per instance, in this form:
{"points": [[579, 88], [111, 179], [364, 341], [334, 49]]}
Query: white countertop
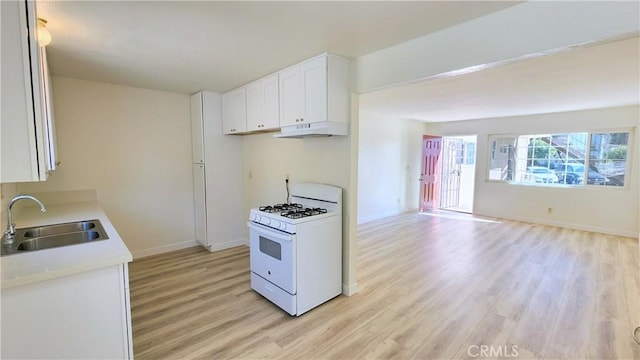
{"points": [[29, 267]]}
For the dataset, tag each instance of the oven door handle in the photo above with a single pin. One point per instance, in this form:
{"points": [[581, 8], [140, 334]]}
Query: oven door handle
{"points": [[271, 232]]}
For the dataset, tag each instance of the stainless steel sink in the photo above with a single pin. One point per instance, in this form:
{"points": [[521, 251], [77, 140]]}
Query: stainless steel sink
{"points": [[52, 236], [59, 229]]}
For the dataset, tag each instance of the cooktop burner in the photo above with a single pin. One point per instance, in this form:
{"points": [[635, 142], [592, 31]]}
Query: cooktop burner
{"points": [[292, 211], [280, 208]]}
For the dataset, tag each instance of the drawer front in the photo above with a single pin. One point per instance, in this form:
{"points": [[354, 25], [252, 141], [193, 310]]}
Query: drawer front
{"points": [[283, 299]]}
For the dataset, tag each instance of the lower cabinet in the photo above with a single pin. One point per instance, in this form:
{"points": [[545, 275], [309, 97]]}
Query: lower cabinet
{"points": [[81, 316]]}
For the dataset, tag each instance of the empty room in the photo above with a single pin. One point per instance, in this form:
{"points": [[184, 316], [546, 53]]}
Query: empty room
{"points": [[320, 179]]}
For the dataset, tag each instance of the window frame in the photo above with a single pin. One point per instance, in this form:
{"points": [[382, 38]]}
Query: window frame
{"points": [[628, 161]]}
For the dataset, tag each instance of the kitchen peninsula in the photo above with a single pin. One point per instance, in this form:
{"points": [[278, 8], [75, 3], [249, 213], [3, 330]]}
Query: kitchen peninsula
{"points": [[69, 301]]}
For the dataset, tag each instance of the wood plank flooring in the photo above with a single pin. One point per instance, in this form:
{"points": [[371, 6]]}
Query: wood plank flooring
{"points": [[430, 287]]}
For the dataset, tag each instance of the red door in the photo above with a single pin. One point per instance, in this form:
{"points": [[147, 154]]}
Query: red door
{"points": [[430, 176]]}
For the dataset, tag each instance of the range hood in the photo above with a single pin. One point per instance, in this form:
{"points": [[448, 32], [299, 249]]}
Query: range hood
{"points": [[324, 128]]}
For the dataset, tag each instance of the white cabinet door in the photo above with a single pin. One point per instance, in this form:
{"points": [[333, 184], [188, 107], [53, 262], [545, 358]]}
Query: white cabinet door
{"points": [[28, 147], [234, 111], [271, 96], [197, 130], [255, 106], [314, 80], [50, 148], [263, 108], [199, 199], [80, 316], [290, 96]]}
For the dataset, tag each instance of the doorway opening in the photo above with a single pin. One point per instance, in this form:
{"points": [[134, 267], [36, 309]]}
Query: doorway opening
{"points": [[448, 173]]}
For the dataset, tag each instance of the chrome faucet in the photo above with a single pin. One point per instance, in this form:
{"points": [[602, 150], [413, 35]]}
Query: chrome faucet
{"points": [[10, 233]]}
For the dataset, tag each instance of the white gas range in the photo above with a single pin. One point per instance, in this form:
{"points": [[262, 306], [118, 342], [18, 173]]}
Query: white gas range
{"points": [[296, 248]]}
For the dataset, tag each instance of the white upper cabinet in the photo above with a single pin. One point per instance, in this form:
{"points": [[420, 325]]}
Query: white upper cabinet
{"points": [[28, 137], [263, 107], [234, 111], [290, 96], [314, 91], [313, 74]]}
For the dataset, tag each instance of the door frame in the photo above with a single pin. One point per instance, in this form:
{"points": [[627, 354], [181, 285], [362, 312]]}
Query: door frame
{"points": [[430, 187]]}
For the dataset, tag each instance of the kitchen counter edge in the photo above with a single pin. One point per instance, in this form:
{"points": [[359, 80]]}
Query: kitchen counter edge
{"points": [[35, 266]]}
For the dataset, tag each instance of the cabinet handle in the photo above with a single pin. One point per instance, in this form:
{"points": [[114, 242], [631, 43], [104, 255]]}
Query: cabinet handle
{"points": [[301, 119], [297, 120]]}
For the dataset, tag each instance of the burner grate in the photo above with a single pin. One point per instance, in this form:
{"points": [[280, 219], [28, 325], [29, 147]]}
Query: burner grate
{"points": [[300, 212], [280, 208], [292, 211]]}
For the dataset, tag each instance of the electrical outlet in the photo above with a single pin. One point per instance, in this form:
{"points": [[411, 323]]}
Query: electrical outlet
{"points": [[550, 211], [250, 174]]}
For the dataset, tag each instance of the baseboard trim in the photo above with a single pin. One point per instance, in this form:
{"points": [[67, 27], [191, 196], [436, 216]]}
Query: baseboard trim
{"points": [[596, 229], [378, 216], [228, 244], [383, 215], [349, 290], [163, 249]]}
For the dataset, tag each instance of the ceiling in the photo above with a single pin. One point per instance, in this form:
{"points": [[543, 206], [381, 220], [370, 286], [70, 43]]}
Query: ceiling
{"points": [[186, 46], [589, 77]]}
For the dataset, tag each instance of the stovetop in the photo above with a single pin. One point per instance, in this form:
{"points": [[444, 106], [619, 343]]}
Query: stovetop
{"points": [[292, 210], [286, 217]]}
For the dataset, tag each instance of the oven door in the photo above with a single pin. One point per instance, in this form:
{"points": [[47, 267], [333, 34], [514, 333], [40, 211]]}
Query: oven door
{"points": [[273, 256]]}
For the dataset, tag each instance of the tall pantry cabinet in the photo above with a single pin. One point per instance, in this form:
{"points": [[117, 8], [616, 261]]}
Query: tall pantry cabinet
{"points": [[217, 176]]}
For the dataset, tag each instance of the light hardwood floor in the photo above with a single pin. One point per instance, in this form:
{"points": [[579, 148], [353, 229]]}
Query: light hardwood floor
{"points": [[429, 287]]}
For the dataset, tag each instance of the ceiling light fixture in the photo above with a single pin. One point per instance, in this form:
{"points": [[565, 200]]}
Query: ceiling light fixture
{"points": [[44, 36]]}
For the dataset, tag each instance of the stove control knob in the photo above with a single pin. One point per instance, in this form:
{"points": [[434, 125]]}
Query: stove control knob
{"points": [[275, 223], [266, 221], [256, 218], [283, 226]]}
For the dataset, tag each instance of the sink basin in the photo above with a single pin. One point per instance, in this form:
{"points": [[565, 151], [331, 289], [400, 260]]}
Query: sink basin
{"points": [[52, 241], [60, 229], [52, 236]]}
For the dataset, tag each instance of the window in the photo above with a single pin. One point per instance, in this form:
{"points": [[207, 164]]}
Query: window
{"points": [[470, 153], [608, 158], [502, 162], [562, 158]]}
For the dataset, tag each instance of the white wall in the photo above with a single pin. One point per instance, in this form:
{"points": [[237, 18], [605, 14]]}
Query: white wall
{"points": [[8, 191], [388, 165], [133, 146], [267, 161], [520, 30], [608, 210]]}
